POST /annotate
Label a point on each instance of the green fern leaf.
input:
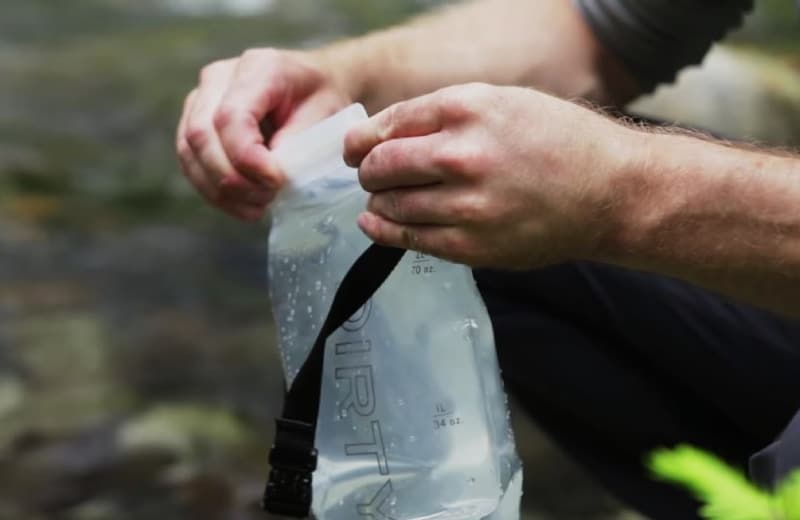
(725, 491)
(788, 497)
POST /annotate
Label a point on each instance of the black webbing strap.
(293, 457)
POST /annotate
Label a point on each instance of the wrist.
(635, 193)
(342, 64)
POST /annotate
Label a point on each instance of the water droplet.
(401, 402)
(412, 438)
(447, 286)
(310, 310)
(293, 268)
(318, 285)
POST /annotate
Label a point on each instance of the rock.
(12, 394)
(188, 431)
(209, 7)
(94, 510)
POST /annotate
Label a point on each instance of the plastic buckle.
(293, 459)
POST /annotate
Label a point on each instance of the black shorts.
(614, 363)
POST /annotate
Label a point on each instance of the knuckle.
(389, 156)
(239, 160)
(397, 206)
(456, 104)
(450, 245)
(243, 159)
(465, 161)
(197, 137)
(183, 149)
(463, 101)
(389, 121)
(366, 173)
(471, 209)
(449, 159)
(223, 117)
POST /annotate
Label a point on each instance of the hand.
(241, 109)
(491, 176)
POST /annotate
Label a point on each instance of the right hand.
(241, 109)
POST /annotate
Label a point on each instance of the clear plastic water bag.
(413, 420)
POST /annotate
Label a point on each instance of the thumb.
(414, 118)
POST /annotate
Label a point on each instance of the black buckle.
(293, 459)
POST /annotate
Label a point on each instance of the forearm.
(541, 43)
(722, 217)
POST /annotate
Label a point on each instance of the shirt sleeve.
(654, 39)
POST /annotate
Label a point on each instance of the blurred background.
(138, 372)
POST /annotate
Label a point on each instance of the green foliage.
(724, 490)
(788, 497)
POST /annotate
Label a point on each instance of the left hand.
(493, 176)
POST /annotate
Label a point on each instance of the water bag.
(395, 407)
